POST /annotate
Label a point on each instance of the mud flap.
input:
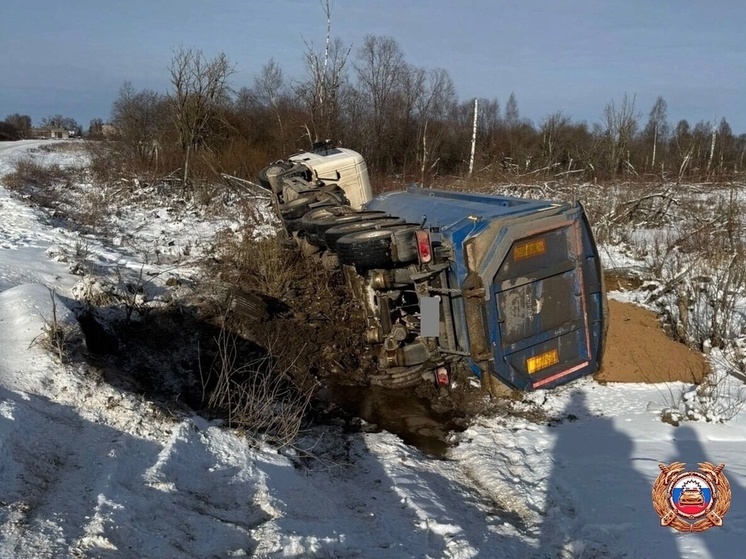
(429, 317)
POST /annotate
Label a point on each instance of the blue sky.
(574, 56)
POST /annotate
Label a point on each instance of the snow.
(88, 470)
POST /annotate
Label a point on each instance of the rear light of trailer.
(424, 248)
(443, 377)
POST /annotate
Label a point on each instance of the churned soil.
(638, 350)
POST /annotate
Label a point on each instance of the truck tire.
(333, 234)
(316, 215)
(373, 248)
(323, 224)
(295, 209)
(275, 168)
(261, 178)
(293, 224)
(335, 193)
(398, 377)
(248, 305)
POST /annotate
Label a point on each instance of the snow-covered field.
(87, 470)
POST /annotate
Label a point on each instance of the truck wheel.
(248, 305)
(335, 192)
(398, 377)
(274, 169)
(322, 225)
(305, 247)
(295, 209)
(261, 176)
(293, 224)
(316, 215)
(373, 248)
(333, 234)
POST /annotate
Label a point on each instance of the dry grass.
(37, 179)
(264, 265)
(717, 398)
(261, 396)
(57, 337)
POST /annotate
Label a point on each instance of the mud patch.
(402, 412)
(638, 350)
(619, 280)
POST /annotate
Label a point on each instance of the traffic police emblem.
(691, 501)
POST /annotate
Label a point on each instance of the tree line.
(406, 120)
(19, 127)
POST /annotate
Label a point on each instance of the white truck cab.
(345, 167)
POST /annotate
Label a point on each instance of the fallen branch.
(256, 190)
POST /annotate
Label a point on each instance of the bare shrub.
(94, 208)
(700, 263)
(718, 398)
(82, 249)
(614, 210)
(29, 173)
(57, 336)
(114, 163)
(205, 192)
(108, 161)
(265, 265)
(259, 396)
(133, 295)
(701, 303)
(242, 158)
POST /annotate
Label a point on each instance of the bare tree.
(512, 124)
(712, 147)
(727, 149)
(656, 130)
(138, 118)
(620, 125)
(200, 88)
(380, 64)
(489, 127)
(22, 123)
(474, 137)
(325, 79)
(684, 142)
(436, 100)
(95, 129)
(552, 130)
(269, 88)
(512, 115)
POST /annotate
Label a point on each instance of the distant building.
(59, 133)
(51, 133)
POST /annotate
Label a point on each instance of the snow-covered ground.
(87, 470)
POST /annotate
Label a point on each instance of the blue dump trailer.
(519, 288)
(510, 288)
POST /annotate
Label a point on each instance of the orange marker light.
(542, 361)
(529, 249)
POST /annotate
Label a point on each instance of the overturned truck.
(509, 288)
